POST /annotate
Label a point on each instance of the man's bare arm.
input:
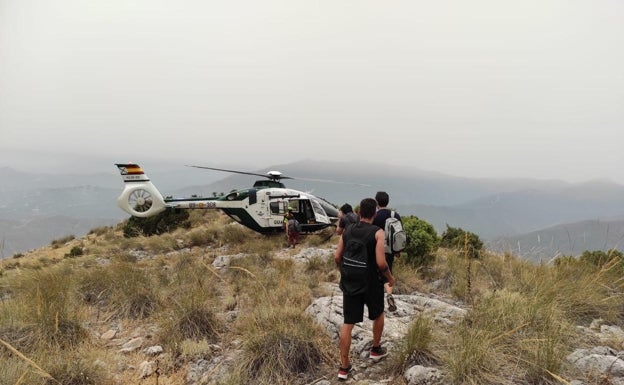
(380, 257)
(339, 251)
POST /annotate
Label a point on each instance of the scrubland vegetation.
(55, 302)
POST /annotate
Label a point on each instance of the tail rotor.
(140, 198)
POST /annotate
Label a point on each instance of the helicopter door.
(319, 213)
(305, 211)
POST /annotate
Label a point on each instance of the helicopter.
(261, 208)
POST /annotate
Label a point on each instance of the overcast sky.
(527, 88)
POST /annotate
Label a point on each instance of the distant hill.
(406, 185)
(17, 236)
(567, 239)
(523, 211)
(37, 208)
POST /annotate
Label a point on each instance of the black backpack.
(355, 270)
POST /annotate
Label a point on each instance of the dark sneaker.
(377, 353)
(343, 373)
(391, 305)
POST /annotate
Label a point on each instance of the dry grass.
(282, 346)
(416, 347)
(520, 326)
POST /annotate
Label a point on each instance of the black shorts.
(353, 305)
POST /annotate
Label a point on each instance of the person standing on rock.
(383, 213)
(369, 290)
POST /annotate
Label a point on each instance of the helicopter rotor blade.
(276, 175)
(330, 181)
(232, 171)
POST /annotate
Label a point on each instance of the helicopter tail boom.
(140, 197)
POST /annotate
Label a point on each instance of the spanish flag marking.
(134, 170)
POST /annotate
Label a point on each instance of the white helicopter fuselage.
(260, 208)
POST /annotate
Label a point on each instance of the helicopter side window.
(276, 208)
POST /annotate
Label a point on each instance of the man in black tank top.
(373, 297)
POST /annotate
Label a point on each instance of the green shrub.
(613, 259)
(166, 221)
(75, 252)
(459, 239)
(422, 241)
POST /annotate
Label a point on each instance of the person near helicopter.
(292, 227)
(347, 217)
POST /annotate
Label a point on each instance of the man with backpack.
(383, 219)
(347, 217)
(360, 256)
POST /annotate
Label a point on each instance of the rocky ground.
(603, 362)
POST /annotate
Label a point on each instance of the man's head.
(382, 198)
(368, 207)
(346, 208)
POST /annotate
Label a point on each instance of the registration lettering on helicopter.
(133, 177)
(202, 205)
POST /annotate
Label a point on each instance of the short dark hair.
(382, 198)
(346, 208)
(368, 207)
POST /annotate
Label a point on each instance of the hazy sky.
(529, 88)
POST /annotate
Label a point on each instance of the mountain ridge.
(493, 208)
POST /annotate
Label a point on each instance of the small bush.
(75, 251)
(123, 288)
(61, 241)
(236, 234)
(101, 230)
(195, 323)
(161, 243)
(415, 347)
(163, 222)
(201, 237)
(293, 340)
(422, 241)
(459, 239)
(44, 300)
(72, 368)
